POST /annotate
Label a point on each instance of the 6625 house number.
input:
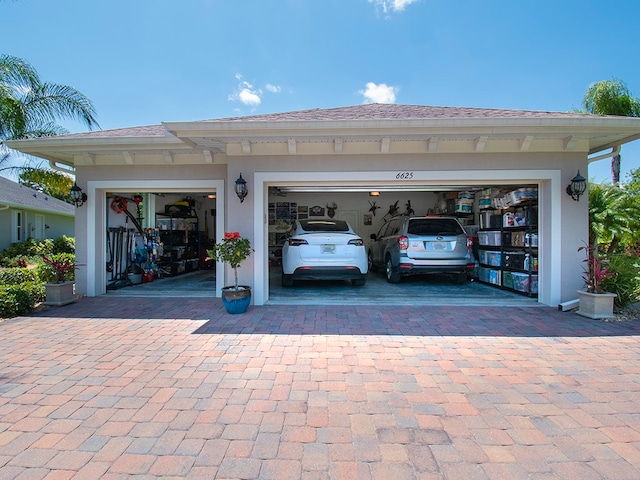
(404, 176)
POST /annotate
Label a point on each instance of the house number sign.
(404, 176)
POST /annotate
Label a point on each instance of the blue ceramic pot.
(236, 301)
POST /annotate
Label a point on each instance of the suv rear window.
(324, 225)
(434, 226)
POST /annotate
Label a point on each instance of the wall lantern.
(78, 197)
(577, 187)
(241, 188)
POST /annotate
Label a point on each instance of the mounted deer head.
(331, 209)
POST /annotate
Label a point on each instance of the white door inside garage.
(423, 194)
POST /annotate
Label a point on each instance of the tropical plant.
(626, 281)
(595, 271)
(614, 217)
(611, 97)
(63, 266)
(232, 250)
(29, 107)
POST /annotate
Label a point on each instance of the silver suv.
(418, 245)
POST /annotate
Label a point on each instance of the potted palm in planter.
(59, 289)
(233, 250)
(594, 301)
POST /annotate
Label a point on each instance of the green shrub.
(64, 244)
(18, 262)
(19, 299)
(35, 290)
(47, 273)
(626, 281)
(14, 276)
(22, 253)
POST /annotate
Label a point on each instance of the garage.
(165, 236)
(366, 209)
(369, 206)
(160, 239)
(416, 157)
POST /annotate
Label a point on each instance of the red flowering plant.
(595, 271)
(232, 250)
(63, 266)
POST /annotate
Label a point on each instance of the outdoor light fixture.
(78, 197)
(577, 187)
(374, 194)
(241, 188)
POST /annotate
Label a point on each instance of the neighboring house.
(26, 213)
(324, 156)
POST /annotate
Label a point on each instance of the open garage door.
(511, 251)
(502, 221)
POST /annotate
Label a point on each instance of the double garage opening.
(500, 275)
(501, 220)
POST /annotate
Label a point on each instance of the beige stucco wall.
(569, 215)
(565, 214)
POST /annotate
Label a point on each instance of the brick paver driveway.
(138, 388)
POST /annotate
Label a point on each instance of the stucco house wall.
(41, 216)
(366, 146)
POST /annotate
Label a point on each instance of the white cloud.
(249, 97)
(245, 93)
(392, 5)
(382, 93)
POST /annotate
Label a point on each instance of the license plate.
(328, 249)
(437, 246)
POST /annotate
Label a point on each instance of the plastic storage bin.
(489, 275)
(491, 238)
(523, 283)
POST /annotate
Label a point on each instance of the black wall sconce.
(77, 195)
(241, 188)
(577, 187)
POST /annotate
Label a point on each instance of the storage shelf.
(500, 260)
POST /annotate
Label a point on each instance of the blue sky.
(146, 61)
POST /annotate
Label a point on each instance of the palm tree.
(29, 108)
(611, 97)
(614, 217)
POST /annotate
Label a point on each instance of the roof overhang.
(213, 141)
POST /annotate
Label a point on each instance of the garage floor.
(419, 290)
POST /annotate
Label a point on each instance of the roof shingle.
(14, 194)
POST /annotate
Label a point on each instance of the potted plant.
(594, 301)
(59, 289)
(233, 250)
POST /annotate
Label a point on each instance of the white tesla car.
(324, 249)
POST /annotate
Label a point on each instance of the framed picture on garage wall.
(316, 211)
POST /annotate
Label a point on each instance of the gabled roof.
(384, 111)
(373, 111)
(14, 195)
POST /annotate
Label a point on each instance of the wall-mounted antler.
(393, 210)
(374, 207)
(409, 211)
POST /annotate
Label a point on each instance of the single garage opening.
(156, 243)
(501, 219)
